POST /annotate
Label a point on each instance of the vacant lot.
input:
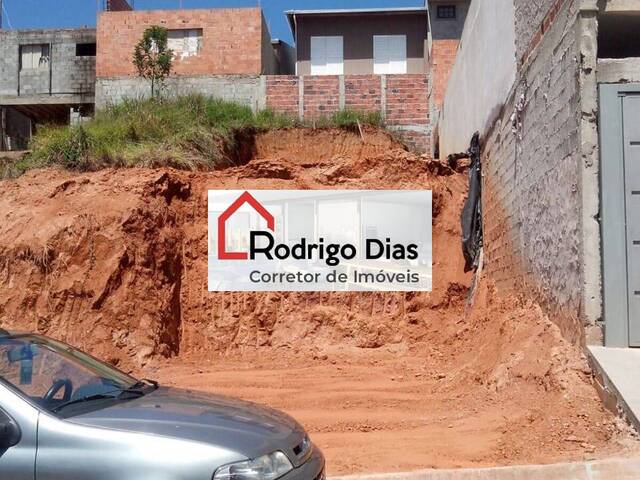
(115, 262)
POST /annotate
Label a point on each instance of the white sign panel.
(319, 240)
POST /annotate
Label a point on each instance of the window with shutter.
(389, 54)
(34, 56)
(185, 43)
(327, 56)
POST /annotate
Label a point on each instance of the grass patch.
(191, 132)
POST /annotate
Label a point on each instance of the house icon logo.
(246, 197)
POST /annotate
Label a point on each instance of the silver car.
(66, 416)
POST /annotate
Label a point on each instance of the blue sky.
(77, 13)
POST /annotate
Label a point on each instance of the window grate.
(446, 11)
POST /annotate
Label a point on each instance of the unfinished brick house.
(553, 87)
(220, 52)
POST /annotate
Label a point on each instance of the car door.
(17, 462)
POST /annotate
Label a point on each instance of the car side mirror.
(10, 433)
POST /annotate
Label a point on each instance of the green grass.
(191, 132)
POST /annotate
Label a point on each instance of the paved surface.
(619, 369)
(610, 469)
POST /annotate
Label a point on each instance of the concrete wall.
(618, 70)
(482, 77)
(357, 31)
(244, 89)
(233, 41)
(66, 75)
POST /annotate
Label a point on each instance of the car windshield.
(56, 376)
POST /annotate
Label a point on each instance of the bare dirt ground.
(115, 262)
(499, 388)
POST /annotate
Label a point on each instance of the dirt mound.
(115, 261)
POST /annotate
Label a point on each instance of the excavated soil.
(115, 262)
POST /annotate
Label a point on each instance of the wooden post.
(3, 128)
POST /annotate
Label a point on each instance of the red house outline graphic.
(246, 197)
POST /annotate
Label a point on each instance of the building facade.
(372, 41)
(45, 76)
(220, 52)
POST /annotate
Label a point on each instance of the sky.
(79, 13)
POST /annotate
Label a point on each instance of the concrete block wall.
(532, 18)
(534, 175)
(243, 89)
(232, 41)
(69, 75)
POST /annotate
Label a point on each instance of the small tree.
(152, 57)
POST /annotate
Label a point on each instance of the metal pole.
(1, 10)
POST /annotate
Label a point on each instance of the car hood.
(244, 427)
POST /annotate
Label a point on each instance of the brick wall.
(407, 100)
(282, 93)
(443, 56)
(362, 93)
(402, 99)
(532, 197)
(231, 44)
(321, 95)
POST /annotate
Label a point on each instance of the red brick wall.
(443, 56)
(362, 92)
(282, 93)
(416, 141)
(407, 100)
(118, 5)
(321, 95)
(231, 44)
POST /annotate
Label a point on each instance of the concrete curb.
(610, 469)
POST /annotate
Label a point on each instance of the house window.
(447, 11)
(327, 56)
(185, 43)
(34, 56)
(85, 50)
(389, 54)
